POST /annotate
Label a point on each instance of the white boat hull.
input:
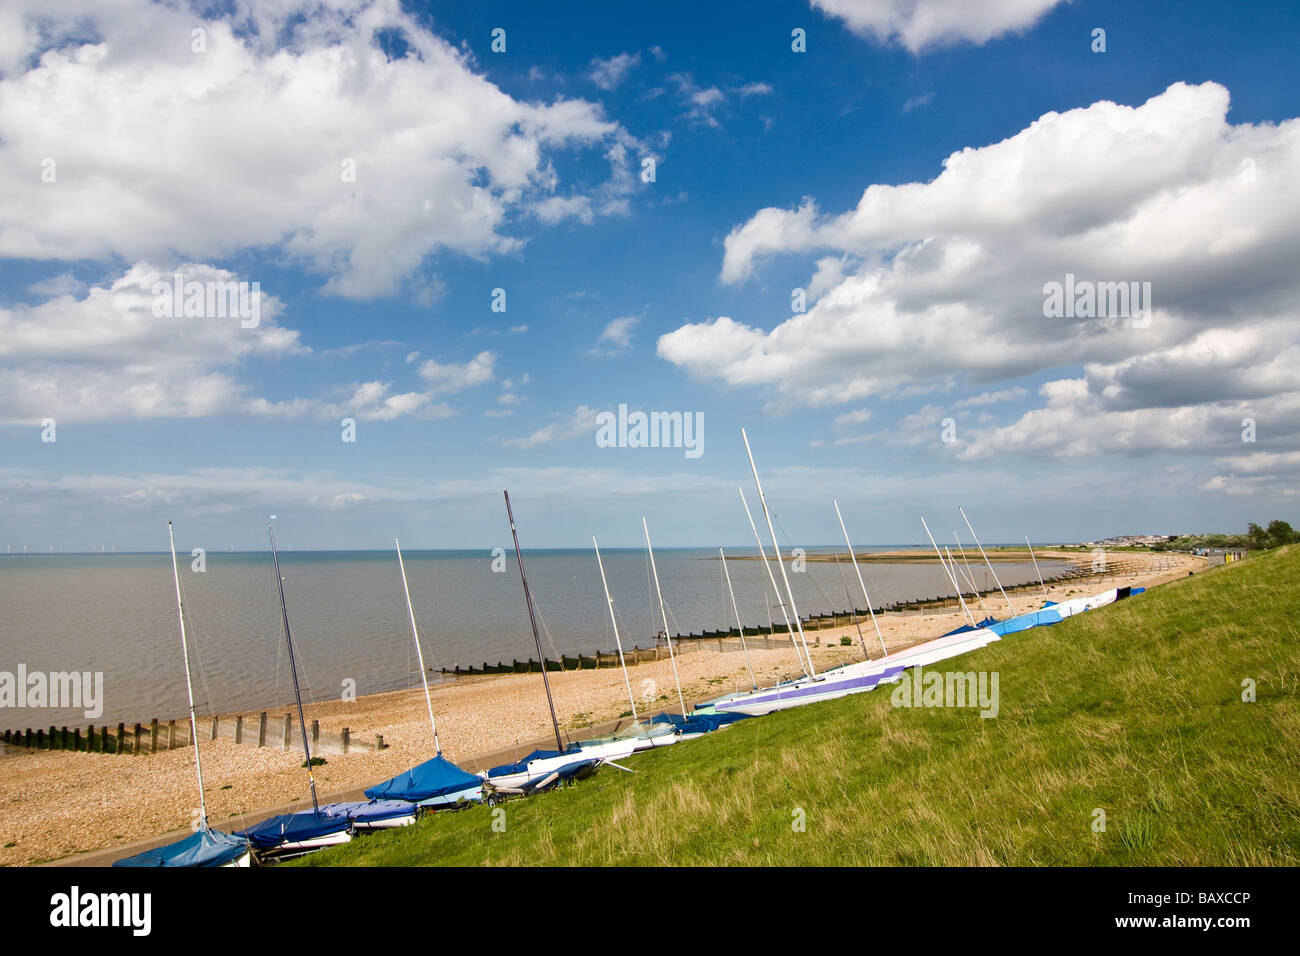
(389, 824)
(855, 678)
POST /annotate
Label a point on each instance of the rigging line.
(776, 550)
(722, 592)
(650, 597)
(986, 560)
(740, 626)
(967, 575)
(194, 648)
(789, 543)
(853, 611)
(210, 707)
(811, 575)
(776, 591)
(948, 574)
(858, 571)
(275, 689)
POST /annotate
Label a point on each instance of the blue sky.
(1169, 158)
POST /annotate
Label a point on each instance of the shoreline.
(57, 803)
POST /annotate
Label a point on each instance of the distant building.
(1130, 541)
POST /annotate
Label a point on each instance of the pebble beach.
(57, 803)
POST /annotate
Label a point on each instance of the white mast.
(762, 552)
(859, 574)
(1036, 571)
(664, 614)
(617, 642)
(948, 571)
(968, 574)
(987, 561)
(739, 626)
(419, 655)
(189, 683)
(776, 550)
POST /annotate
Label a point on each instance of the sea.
(115, 614)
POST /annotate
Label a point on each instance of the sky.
(834, 224)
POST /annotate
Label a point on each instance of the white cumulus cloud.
(286, 127)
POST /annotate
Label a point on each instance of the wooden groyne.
(156, 736)
(777, 634)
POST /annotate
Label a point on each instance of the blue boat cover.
(292, 828)
(987, 622)
(696, 723)
(430, 779)
(371, 812)
(203, 848)
(1023, 622)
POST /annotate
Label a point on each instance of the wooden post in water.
(171, 735)
(138, 743)
(347, 738)
(315, 731)
(261, 730)
(153, 736)
(120, 747)
(288, 732)
(76, 738)
(239, 729)
(215, 721)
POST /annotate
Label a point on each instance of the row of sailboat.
(439, 783)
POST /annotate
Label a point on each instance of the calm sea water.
(116, 613)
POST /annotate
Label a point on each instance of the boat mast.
(968, 574)
(293, 668)
(617, 641)
(948, 571)
(776, 591)
(1036, 571)
(419, 655)
(739, 626)
(189, 683)
(952, 563)
(860, 580)
(664, 614)
(987, 561)
(776, 548)
(532, 618)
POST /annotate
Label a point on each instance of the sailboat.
(206, 846)
(437, 782)
(850, 679)
(300, 832)
(1055, 613)
(644, 736)
(543, 769)
(687, 725)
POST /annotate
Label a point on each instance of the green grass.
(1135, 710)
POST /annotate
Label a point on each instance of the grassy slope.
(1135, 709)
